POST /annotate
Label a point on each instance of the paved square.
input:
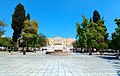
(73, 64)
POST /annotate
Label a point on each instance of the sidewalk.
(40, 64)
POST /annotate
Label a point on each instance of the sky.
(59, 17)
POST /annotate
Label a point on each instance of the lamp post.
(66, 43)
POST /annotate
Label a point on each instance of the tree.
(42, 40)
(28, 17)
(91, 35)
(116, 36)
(75, 44)
(4, 41)
(97, 36)
(35, 39)
(30, 29)
(2, 24)
(82, 32)
(18, 18)
(102, 30)
(96, 16)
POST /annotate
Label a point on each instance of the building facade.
(60, 41)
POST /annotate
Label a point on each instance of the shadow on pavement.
(115, 63)
(117, 66)
(108, 57)
(118, 73)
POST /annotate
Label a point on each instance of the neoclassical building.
(60, 41)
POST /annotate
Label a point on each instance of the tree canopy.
(116, 36)
(91, 34)
(2, 31)
(4, 41)
(30, 31)
(96, 16)
(28, 17)
(18, 18)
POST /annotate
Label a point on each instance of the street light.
(66, 43)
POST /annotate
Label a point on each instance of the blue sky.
(58, 17)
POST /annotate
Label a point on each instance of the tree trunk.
(93, 49)
(82, 50)
(90, 52)
(27, 47)
(117, 54)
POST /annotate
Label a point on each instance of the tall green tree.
(103, 35)
(91, 35)
(102, 30)
(82, 32)
(78, 40)
(28, 17)
(30, 29)
(18, 18)
(116, 36)
(97, 36)
(96, 16)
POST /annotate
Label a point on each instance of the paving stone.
(73, 64)
(39, 74)
(32, 74)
